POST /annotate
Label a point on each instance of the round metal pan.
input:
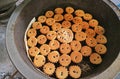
(25, 12)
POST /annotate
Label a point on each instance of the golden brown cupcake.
(54, 44)
(91, 42)
(86, 51)
(33, 51)
(53, 56)
(51, 35)
(76, 28)
(50, 21)
(68, 17)
(66, 24)
(44, 29)
(65, 60)
(44, 49)
(76, 57)
(61, 72)
(37, 25)
(100, 49)
(49, 68)
(77, 20)
(65, 35)
(75, 71)
(93, 23)
(65, 48)
(59, 10)
(99, 30)
(79, 13)
(95, 58)
(58, 17)
(90, 32)
(87, 16)
(69, 9)
(31, 33)
(75, 45)
(80, 36)
(101, 39)
(56, 26)
(42, 19)
(85, 25)
(32, 42)
(39, 61)
(49, 14)
(41, 39)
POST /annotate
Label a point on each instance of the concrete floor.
(6, 67)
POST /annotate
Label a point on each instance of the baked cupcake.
(65, 60)
(76, 57)
(39, 60)
(53, 56)
(61, 72)
(74, 71)
(49, 68)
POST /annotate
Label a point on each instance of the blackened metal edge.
(113, 7)
(110, 72)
